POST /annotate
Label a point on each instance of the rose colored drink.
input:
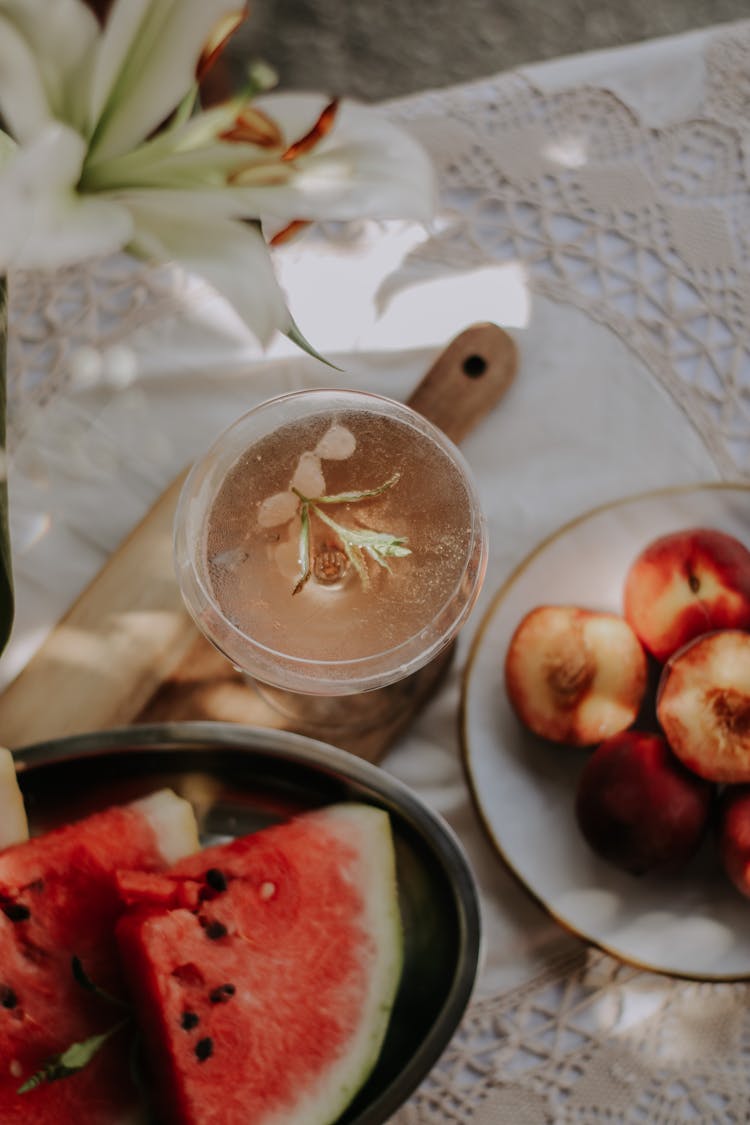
(316, 608)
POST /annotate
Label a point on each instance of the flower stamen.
(320, 129)
(251, 127)
(216, 42)
(288, 232)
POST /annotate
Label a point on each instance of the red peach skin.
(685, 584)
(638, 807)
(734, 836)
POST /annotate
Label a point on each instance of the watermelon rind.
(382, 920)
(60, 903)
(14, 827)
(167, 951)
(173, 821)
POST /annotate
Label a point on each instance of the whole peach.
(685, 584)
(638, 807)
(734, 835)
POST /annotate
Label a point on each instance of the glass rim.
(288, 664)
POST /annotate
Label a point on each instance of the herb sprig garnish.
(81, 977)
(355, 542)
(71, 1060)
(77, 1055)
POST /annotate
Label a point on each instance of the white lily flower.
(103, 152)
(44, 222)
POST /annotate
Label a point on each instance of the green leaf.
(70, 1061)
(81, 977)
(297, 338)
(386, 548)
(356, 558)
(379, 545)
(354, 497)
(304, 546)
(6, 573)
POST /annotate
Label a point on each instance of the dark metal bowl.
(240, 779)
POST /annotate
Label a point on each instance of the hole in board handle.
(474, 365)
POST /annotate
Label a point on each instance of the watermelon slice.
(269, 1002)
(58, 900)
(13, 824)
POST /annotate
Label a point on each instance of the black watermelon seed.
(204, 1048)
(216, 930)
(216, 879)
(221, 994)
(8, 998)
(189, 1020)
(16, 912)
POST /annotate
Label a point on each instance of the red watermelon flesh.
(270, 1002)
(57, 900)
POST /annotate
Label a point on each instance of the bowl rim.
(185, 737)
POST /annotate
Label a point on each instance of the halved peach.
(703, 705)
(575, 675)
(638, 807)
(685, 584)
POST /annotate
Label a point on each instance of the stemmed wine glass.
(330, 543)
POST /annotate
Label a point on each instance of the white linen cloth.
(597, 207)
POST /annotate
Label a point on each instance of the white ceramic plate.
(694, 924)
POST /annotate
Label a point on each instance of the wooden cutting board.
(128, 652)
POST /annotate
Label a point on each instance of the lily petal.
(146, 62)
(59, 35)
(232, 256)
(364, 167)
(7, 148)
(295, 113)
(44, 223)
(23, 98)
(219, 203)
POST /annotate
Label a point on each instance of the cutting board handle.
(467, 379)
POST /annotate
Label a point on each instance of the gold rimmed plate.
(693, 924)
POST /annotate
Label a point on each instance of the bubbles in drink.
(229, 560)
(353, 603)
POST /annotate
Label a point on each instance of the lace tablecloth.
(599, 208)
